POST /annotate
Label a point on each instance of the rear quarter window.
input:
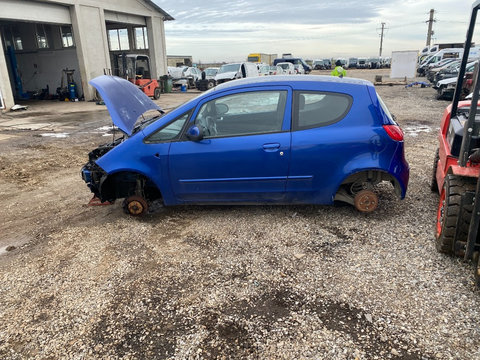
(316, 109)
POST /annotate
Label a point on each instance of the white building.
(39, 39)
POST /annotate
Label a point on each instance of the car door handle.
(271, 147)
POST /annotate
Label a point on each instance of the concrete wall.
(45, 68)
(34, 11)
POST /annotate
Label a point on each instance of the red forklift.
(456, 169)
(136, 69)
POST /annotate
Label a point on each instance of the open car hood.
(125, 101)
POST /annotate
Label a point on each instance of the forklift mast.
(471, 127)
(134, 66)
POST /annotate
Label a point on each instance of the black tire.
(433, 182)
(453, 219)
(210, 84)
(439, 95)
(156, 93)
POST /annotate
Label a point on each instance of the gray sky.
(220, 30)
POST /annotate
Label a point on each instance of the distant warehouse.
(40, 39)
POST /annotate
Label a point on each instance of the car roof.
(286, 79)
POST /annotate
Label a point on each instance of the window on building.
(11, 37)
(67, 36)
(42, 41)
(118, 39)
(141, 39)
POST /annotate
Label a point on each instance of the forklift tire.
(476, 267)
(453, 221)
(433, 183)
(156, 93)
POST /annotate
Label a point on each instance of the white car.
(288, 68)
(275, 70)
(184, 75)
(234, 71)
(264, 70)
(299, 70)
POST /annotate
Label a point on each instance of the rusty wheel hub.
(366, 201)
(136, 205)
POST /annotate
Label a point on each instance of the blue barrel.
(72, 89)
(184, 88)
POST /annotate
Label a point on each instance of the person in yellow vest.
(339, 70)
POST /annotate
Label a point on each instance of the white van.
(442, 54)
(234, 71)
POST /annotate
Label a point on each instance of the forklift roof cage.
(469, 126)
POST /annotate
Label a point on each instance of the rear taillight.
(394, 132)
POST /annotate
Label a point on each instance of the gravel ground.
(238, 282)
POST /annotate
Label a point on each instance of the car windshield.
(284, 65)
(211, 72)
(229, 68)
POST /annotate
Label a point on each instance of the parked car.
(185, 75)
(362, 63)
(264, 70)
(441, 65)
(451, 72)
(327, 63)
(288, 68)
(294, 61)
(275, 70)
(446, 87)
(352, 63)
(251, 141)
(373, 63)
(299, 69)
(234, 71)
(208, 80)
(318, 65)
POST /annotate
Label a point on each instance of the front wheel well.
(126, 183)
(364, 180)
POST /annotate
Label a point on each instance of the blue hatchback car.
(266, 140)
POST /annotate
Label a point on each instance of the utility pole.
(430, 25)
(381, 39)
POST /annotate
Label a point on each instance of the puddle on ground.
(55, 135)
(414, 130)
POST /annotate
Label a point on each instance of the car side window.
(315, 109)
(246, 113)
(170, 131)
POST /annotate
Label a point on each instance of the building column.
(156, 46)
(91, 42)
(5, 85)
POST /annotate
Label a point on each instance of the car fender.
(397, 170)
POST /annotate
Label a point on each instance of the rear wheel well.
(364, 180)
(124, 184)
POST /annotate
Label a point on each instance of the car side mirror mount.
(194, 133)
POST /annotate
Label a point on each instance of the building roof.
(159, 9)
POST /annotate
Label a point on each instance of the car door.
(244, 155)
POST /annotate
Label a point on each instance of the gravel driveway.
(230, 282)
